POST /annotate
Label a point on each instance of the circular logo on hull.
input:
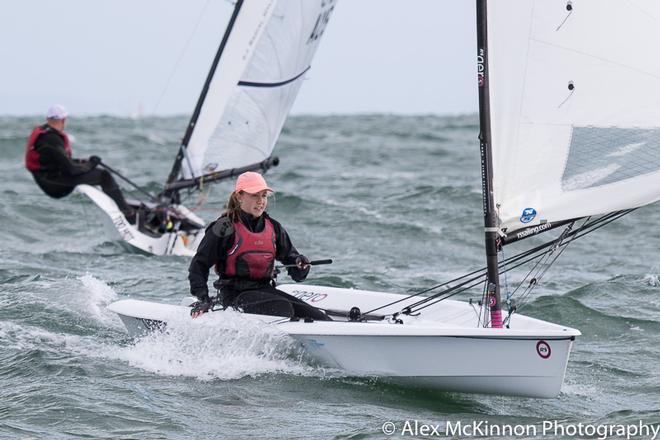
(543, 349)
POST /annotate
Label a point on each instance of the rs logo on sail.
(528, 215)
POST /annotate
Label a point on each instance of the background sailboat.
(254, 79)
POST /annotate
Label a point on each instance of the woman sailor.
(243, 245)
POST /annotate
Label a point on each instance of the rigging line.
(545, 254)
(611, 217)
(437, 298)
(562, 247)
(506, 277)
(501, 264)
(541, 271)
(482, 305)
(610, 220)
(481, 272)
(525, 295)
(588, 228)
(429, 301)
(505, 262)
(448, 296)
(552, 249)
(594, 224)
(181, 54)
(118, 174)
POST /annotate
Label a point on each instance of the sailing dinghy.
(266, 49)
(569, 142)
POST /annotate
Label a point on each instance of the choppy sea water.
(394, 200)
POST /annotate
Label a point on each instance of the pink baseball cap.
(57, 112)
(251, 183)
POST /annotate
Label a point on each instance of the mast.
(176, 168)
(490, 215)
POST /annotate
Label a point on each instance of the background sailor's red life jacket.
(252, 254)
(32, 156)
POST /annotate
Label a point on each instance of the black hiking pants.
(62, 185)
(268, 300)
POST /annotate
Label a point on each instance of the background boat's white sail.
(268, 50)
(574, 96)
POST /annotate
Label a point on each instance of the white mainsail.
(269, 48)
(575, 107)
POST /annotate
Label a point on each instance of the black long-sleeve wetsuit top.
(54, 160)
(217, 241)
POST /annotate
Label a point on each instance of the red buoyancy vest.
(32, 156)
(253, 253)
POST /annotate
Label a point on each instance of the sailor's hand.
(94, 160)
(299, 273)
(302, 262)
(200, 307)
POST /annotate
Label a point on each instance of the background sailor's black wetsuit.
(212, 251)
(60, 174)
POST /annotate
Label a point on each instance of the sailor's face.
(254, 204)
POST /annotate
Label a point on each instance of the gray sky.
(119, 56)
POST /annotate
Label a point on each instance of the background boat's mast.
(490, 217)
(176, 168)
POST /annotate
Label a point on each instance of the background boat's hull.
(170, 243)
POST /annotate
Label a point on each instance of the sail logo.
(533, 230)
(322, 21)
(528, 215)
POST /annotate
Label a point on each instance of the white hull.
(169, 243)
(442, 349)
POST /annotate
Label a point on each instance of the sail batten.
(273, 84)
(574, 105)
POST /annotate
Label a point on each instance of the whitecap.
(207, 349)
